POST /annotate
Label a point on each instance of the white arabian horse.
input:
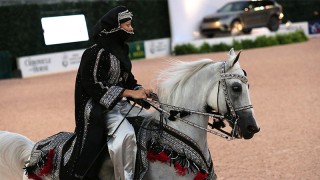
(189, 93)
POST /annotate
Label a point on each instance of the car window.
(255, 4)
(226, 8)
(259, 5)
(235, 6)
(240, 6)
(267, 3)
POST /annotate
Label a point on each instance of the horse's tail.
(15, 149)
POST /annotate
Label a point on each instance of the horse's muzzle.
(253, 129)
(247, 123)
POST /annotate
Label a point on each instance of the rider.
(103, 84)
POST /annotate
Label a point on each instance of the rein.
(156, 105)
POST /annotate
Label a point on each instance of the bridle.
(231, 116)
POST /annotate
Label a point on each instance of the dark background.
(21, 31)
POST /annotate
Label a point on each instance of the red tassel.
(201, 176)
(162, 156)
(33, 176)
(151, 156)
(179, 169)
(47, 167)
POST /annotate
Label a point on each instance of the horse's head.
(222, 86)
(233, 98)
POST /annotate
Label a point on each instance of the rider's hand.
(148, 92)
(137, 94)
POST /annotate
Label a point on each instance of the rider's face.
(127, 26)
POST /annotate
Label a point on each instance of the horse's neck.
(198, 135)
(192, 94)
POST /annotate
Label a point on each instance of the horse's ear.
(231, 53)
(237, 58)
(233, 58)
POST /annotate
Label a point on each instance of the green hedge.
(260, 41)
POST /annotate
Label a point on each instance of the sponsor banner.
(314, 27)
(157, 47)
(136, 50)
(49, 63)
(43, 64)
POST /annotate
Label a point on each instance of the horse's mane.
(172, 80)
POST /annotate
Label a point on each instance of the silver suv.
(241, 16)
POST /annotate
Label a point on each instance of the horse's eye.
(236, 87)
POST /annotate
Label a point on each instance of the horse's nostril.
(253, 129)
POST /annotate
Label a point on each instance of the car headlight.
(217, 23)
(281, 15)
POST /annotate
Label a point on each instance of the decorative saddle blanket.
(48, 156)
(168, 145)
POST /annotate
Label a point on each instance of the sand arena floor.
(284, 89)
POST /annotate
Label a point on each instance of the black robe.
(100, 82)
(104, 73)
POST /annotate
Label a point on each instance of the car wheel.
(273, 24)
(247, 30)
(236, 28)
